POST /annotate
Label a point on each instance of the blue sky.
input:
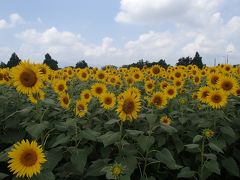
(120, 31)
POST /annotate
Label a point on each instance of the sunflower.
(165, 120)
(117, 170)
(171, 92)
(108, 100)
(130, 80)
(128, 106)
(212, 79)
(98, 89)
(86, 95)
(64, 100)
(100, 75)
(203, 93)
(35, 97)
(163, 85)
(138, 76)
(156, 70)
(208, 133)
(149, 86)
(26, 78)
(178, 83)
(59, 86)
(197, 79)
(217, 99)
(227, 84)
(26, 159)
(159, 100)
(44, 70)
(83, 74)
(81, 108)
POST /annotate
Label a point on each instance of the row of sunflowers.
(150, 123)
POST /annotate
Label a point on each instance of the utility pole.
(215, 62)
(227, 55)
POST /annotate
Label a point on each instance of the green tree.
(3, 65)
(81, 64)
(53, 64)
(184, 61)
(13, 61)
(197, 60)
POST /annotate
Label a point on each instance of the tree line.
(53, 64)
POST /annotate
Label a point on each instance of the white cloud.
(187, 12)
(14, 20)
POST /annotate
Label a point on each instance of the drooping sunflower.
(108, 100)
(64, 100)
(165, 120)
(86, 95)
(81, 108)
(217, 99)
(227, 84)
(171, 92)
(26, 159)
(159, 99)
(26, 78)
(36, 97)
(98, 89)
(128, 106)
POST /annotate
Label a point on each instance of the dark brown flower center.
(61, 87)
(28, 158)
(108, 100)
(65, 100)
(157, 100)
(28, 78)
(99, 90)
(128, 106)
(216, 98)
(227, 85)
(156, 70)
(214, 79)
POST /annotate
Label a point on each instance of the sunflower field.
(151, 123)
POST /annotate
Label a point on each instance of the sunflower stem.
(202, 160)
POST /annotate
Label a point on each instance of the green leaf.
(2, 175)
(192, 146)
(44, 175)
(53, 157)
(213, 166)
(36, 129)
(61, 139)
(79, 159)
(134, 132)
(89, 134)
(197, 138)
(112, 121)
(169, 129)
(231, 166)
(215, 148)
(166, 158)
(228, 131)
(211, 156)
(110, 138)
(151, 118)
(185, 173)
(96, 167)
(145, 142)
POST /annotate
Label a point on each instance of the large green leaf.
(231, 166)
(61, 139)
(44, 175)
(96, 167)
(89, 134)
(213, 166)
(169, 129)
(215, 148)
(166, 158)
(53, 157)
(79, 159)
(36, 129)
(186, 172)
(228, 131)
(110, 138)
(145, 142)
(2, 175)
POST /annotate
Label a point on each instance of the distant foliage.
(141, 63)
(53, 64)
(81, 64)
(13, 61)
(3, 65)
(185, 61)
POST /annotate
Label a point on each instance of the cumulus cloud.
(14, 20)
(187, 12)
